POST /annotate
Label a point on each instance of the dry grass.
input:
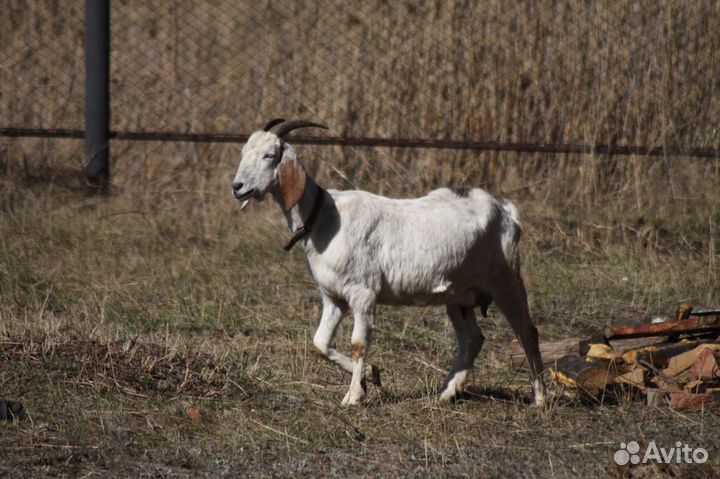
(119, 314)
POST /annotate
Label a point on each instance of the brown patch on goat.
(358, 349)
(292, 182)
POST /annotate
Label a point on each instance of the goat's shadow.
(473, 394)
(482, 395)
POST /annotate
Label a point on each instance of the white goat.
(458, 248)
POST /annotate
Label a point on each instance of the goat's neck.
(298, 214)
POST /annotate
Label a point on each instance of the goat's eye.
(269, 156)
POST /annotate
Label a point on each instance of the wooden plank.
(627, 344)
(635, 377)
(550, 351)
(706, 366)
(604, 352)
(695, 324)
(704, 311)
(659, 355)
(683, 311)
(685, 400)
(576, 372)
(684, 361)
(666, 385)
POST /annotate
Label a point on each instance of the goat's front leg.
(361, 339)
(333, 312)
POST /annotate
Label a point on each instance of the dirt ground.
(158, 332)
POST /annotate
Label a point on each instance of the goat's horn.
(288, 126)
(272, 123)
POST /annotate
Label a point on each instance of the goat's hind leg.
(470, 340)
(333, 312)
(511, 298)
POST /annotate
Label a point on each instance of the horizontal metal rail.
(639, 150)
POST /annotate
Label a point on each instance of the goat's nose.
(237, 185)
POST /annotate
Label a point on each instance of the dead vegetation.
(159, 331)
(143, 370)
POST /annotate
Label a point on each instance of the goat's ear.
(292, 181)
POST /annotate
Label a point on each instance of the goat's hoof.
(372, 374)
(539, 392)
(351, 399)
(448, 395)
(453, 387)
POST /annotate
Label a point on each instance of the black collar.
(306, 228)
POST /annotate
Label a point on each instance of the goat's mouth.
(244, 196)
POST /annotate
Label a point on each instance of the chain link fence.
(616, 72)
(41, 64)
(555, 72)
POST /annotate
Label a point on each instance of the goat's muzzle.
(237, 188)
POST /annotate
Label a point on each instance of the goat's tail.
(512, 231)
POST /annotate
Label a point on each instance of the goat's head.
(269, 163)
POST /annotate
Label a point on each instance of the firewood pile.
(675, 362)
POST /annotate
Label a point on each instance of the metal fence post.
(97, 92)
